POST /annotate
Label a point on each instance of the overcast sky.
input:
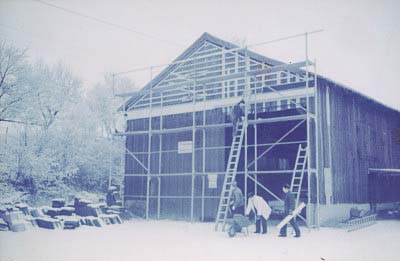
(359, 47)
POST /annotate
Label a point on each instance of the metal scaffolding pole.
(113, 101)
(317, 147)
(219, 125)
(149, 149)
(328, 120)
(255, 151)
(159, 168)
(135, 158)
(260, 172)
(245, 123)
(203, 168)
(227, 147)
(308, 140)
(193, 143)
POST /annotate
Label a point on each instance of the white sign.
(212, 181)
(185, 147)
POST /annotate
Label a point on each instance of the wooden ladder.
(298, 172)
(230, 175)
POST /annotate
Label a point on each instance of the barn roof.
(206, 37)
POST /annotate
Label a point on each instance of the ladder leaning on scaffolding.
(231, 170)
(298, 172)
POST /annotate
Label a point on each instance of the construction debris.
(49, 223)
(58, 203)
(20, 217)
(3, 225)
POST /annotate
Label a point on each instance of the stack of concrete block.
(114, 210)
(58, 203)
(16, 221)
(111, 219)
(93, 221)
(69, 222)
(82, 207)
(100, 207)
(49, 223)
(36, 212)
(3, 225)
(24, 208)
(67, 211)
(52, 212)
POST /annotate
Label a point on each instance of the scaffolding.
(216, 77)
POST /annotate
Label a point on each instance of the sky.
(359, 45)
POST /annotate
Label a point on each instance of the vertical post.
(159, 198)
(110, 162)
(160, 161)
(328, 119)
(223, 84)
(308, 138)
(203, 166)
(317, 136)
(246, 97)
(236, 70)
(255, 143)
(193, 140)
(149, 146)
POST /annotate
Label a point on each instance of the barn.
(179, 136)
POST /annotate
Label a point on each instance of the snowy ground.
(170, 240)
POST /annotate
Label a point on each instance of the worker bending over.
(261, 210)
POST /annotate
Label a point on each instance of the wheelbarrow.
(238, 224)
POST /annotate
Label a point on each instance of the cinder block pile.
(81, 212)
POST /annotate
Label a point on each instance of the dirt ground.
(172, 240)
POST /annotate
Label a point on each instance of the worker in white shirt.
(261, 210)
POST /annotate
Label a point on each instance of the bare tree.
(103, 102)
(13, 84)
(53, 88)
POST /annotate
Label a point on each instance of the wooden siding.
(362, 137)
(215, 161)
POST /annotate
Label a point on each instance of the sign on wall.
(212, 181)
(185, 147)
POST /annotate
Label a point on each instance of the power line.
(109, 23)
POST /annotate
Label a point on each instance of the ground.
(172, 240)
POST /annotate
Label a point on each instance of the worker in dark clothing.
(236, 204)
(113, 198)
(290, 205)
(237, 113)
(237, 200)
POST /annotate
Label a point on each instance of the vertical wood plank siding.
(361, 138)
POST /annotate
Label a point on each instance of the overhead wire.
(122, 27)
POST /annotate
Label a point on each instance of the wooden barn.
(179, 136)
